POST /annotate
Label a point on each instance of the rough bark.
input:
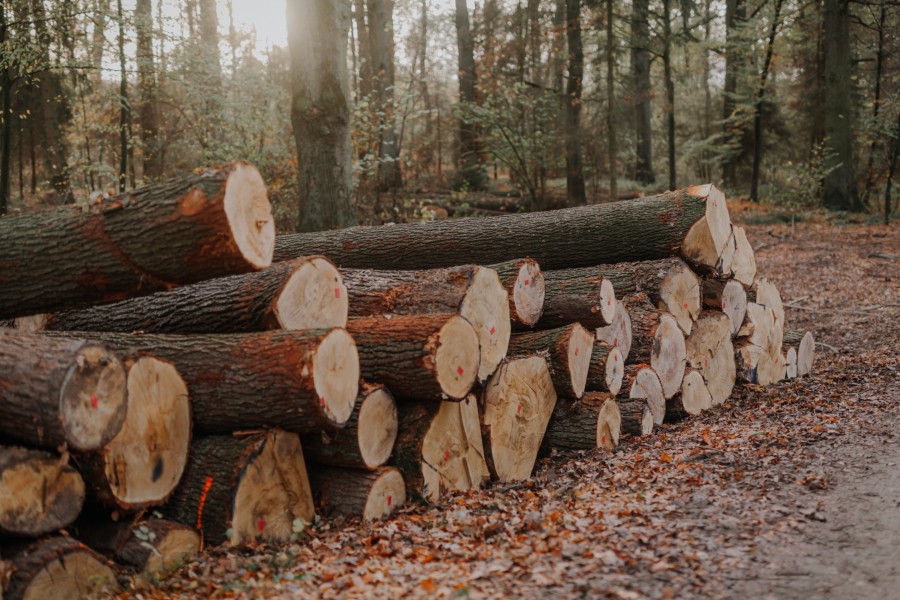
(606, 370)
(381, 43)
(151, 546)
(367, 495)
(640, 74)
(39, 492)
(468, 138)
(657, 340)
(306, 293)
(524, 283)
(302, 381)
(586, 424)
(57, 567)
(635, 417)
(148, 116)
(735, 13)
(211, 223)
(580, 295)
(567, 351)
(439, 448)
(427, 357)
(474, 293)
(366, 440)
(575, 195)
(59, 392)
(244, 489)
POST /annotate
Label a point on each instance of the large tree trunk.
(381, 40)
(757, 105)
(640, 74)
(518, 401)
(575, 195)
(57, 567)
(474, 293)
(580, 295)
(148, 117)
(670, 90)
(657, 340)
(427, 357)
(567, 351)
(39, 492)
(306, 293)
(211, 223)
(439, 448)
(693, 222)
(320, 112)
(586, 424)
(152, 547)
(524, 283)
(244, 489)
(367, 495)
(6, 124)
(366, 440)
(59, 392)
(303, 381)
(468, 138)
(612, 145)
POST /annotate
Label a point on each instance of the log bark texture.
(606, 370)
(580, 295)
(369, 495)
(525, 287)
(211, 223)
(57, 567)
(306, 293)
(567, 351)
(586, 424)
(636, 418)
(151, 546)
(56, 392)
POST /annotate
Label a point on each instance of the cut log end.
(377, 428)
(387, 494)
(59, 568)
(618, 334)
(609, 425)
(177, 545)
(708, 239)
(32, 324)
(486, 307)
(313, 297)
(607, 301)
(806, 354)
(734, 304)
(145, 461)
(695, 397)
(456, 359)
(667, 356)
(93, 401)
(453, 451)
(273, 492)
(249, 215)
(528, 293)
(790, 360)
(336, 375)
(680, 291)
(578, 352)
(615, 370)
(710, 351)
(636, 418)
(744, 265)
(646, 386)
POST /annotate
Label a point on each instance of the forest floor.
(787, 492)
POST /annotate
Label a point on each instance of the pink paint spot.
(609, 302)
(460, 371)
(94, 401)
(705, 362)
(603, 440)
(322, 400)
(261, 525)
(685, 305)
(493, 329)
(616, 358)
(389, 500)
(576, 351)
(337, 292)
(724, 306)
(616, 342)
(526, 281)
(446, 455)
(519, 409)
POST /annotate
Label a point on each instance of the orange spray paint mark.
(206, 485)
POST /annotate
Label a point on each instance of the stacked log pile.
(364, 368)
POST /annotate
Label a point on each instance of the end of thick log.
(249, 214)
(707, 242)
(645, 385)
(618, 333)
(58, 567)
(524, 283)
(367, 495)
(711, 352)
(693, 399)
(312, 297)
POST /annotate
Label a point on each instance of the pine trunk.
(362, 494)
(586, 424)
(525, 287)
(567, 351)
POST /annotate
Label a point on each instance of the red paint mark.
(460, 371)
(705, 362)
(519, 409)
(322, 400)
(615, 358)
(576, 350)
(724, 306)
(337, 292)
(206, 485)
(261, 525)
(446, 455)
(389, 500)
(603, 439)
(526, 281)
(493, 329)
(616, 342)
(94, 401)
(685, 306)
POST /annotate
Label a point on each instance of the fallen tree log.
(642, 383)
(693, 399)
(369, 495)
(693, 221)
(211, 223)
(56, 567)
(517, 403)
(659, 341)
(151, 546)
(306, 293)
(711, 353)
(525, 288)
(56, 392)
(581, 295)
(586, 424)
(728, 296)
(302, 381)
(427, 357)
(39, 492)
(606, 369)
(475, 293)
(439, 448)
(805, 345)
(244, 489)
(567, 351)
(141, 466)
(635, 416)
(366, 440)
(619, 333)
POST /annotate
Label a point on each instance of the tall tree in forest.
(735, 15)
(124, 104)
(611, 101)
(469, 162)
(640, 76)
(211, 78)
(320, 111)
(381, 41)
(839, 189)
(670, 91)
(575, 194)
(876, 104)
(758, 101)
(6, 114)
(147, 91)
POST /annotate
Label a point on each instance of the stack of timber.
(177, 372)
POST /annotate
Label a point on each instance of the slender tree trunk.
(468, 139)
(757, 107)
(706, 172)
(147, 115)
(888, 202)
(381, 40)
(734, 17)
(670, 89)
(876, 105)
(320, 111)
(6, 119)
(640, 74)
(611, 101)
(575, 194)
(839, 191)
(363, 48)
(98, 37)
(124, 110)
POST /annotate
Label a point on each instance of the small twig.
(832, 348)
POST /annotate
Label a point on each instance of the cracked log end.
(667, 356)
(377, 428)
(578, 355)
(695, 397)
(456, 360)
(58, 567)
(92, 399)
(806, 355)
(615, 370)
(790, 359)
(680, 291)
(486, 307)
(249, 215)
(313, 297)
(744, 265)
(710, 241)
(387, 494)
(528, 293)
(710, 351)
(645, 386)
(618, 334)
(336, 375)
(453, 451)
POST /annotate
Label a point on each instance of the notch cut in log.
(56, 392)
(474, 293)
(427, 357)
(211, 223)
(581, 295)
(439, 448)
(525, 288)
(306, 293)
(302, 381)
(806, 350)
(585, 424)
(244, 489)
(518, 401)
(366, 440)
(711, 352)
(567, 351)
(728, 296)
(693, 399)
(643, 384)
(606, 370)
(574, 237)
(152, 546)
(39, 492)
(618, 334)
(659, 341)
(142, 465)
(363, 494)
(57, 567)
